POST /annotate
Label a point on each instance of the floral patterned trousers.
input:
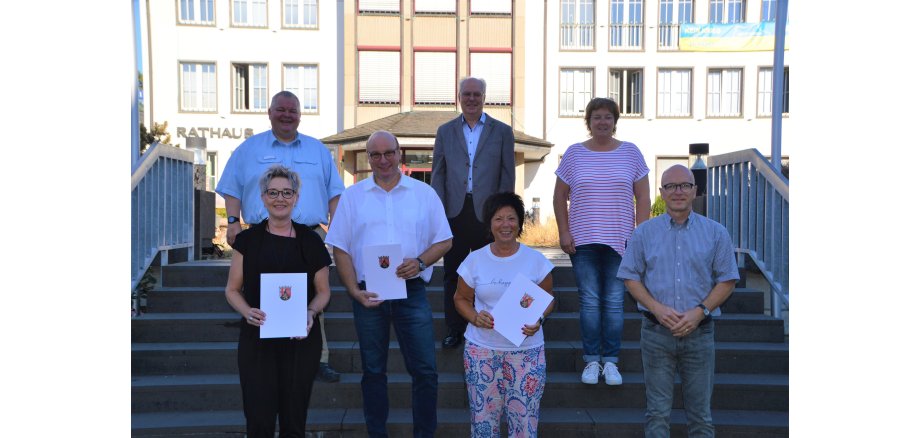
(504, 383)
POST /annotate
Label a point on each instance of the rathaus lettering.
(214, 132)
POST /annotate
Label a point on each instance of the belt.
(651, 317)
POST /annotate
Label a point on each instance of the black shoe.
(452, 340)
(327, 374)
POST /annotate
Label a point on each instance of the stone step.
(345, 357)
(562, 326)
(455, 423)
(219, 392)
(212, 299)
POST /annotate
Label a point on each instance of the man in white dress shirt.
(389, 208)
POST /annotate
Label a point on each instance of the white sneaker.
(612, 374)
(589, 375)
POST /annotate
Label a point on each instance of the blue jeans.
(601, 295)
(694, 357)
(411, 319)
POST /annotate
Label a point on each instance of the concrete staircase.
(184, 379)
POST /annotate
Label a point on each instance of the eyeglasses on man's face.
(375, 156)
(684, 187)
(286, 193)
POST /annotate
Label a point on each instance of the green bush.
(658, 207)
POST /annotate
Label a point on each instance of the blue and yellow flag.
(736, 37)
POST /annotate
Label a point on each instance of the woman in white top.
(500, 376)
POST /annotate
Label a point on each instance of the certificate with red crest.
(284, 301)
(522, 303)
(380, 262)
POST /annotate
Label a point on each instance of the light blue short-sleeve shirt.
(319, 176)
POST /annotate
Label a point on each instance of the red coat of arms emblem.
(526, 301)
(285, 293)
(384, 261)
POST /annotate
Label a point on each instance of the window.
(250, 13)
(300, 14)
(768, 10)
(303, 81)
(378, 6)
(196, 11)
(626, 90)
(199, 87)
(250, 87)
(576, 88)
(577, 24)
(723, 98)
(626, 24)
(674, 93)
(726, 11)
(490, 7)
(435, 78)
(669, 21)
(436, 6)
(211, 171)
(378, 77)
(495, 68)
(765, 91)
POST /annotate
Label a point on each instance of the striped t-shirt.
(601, 208)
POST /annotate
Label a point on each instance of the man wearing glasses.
(320, 187)
(473, 159)
(389, 208)
(680, 267)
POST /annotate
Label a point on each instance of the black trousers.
(277, 378)
(469, 235)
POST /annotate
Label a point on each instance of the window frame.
(724, 9)
(659, 92)
(576, 112)
(627, 110)
(579, 27)
(724, 95)
(250, 87)
(299, 4)
(250, 8)
(197, 9)
(627, 30)
(199, 92)
(398, 53)
(493, 12)
(398, 10)
(299, 91)
(670, 30)
(769, 94)
(491, 81)
(416, 76)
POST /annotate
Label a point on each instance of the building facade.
(212, 65)
(211, 68)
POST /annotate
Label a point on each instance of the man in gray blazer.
(473, 158)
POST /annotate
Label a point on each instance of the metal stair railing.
(747, 195)
(162, 207)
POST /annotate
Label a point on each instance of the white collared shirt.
(410, 214)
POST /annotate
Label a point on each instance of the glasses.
(375, 156)
(468, 94)
(286, 193)
(684, 187)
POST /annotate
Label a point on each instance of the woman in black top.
(277, 374)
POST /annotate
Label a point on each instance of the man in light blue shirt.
(680, 267)
(320, 182)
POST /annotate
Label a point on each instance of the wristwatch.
(232, 219)
(705, 310)
(421, 264)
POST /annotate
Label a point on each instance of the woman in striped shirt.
(593, 202)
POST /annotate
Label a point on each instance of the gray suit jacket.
(493, 164)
